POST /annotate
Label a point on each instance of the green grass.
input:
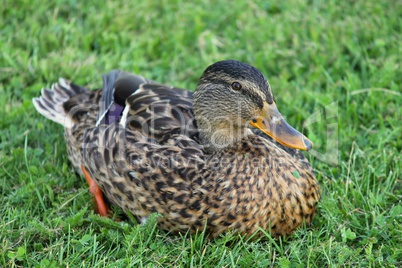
(338, 59)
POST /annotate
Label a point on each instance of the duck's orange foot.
(100, 203)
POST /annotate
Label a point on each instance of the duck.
(219, 159)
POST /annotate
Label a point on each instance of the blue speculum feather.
(114, 113)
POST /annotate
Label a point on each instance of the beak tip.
(308, 144)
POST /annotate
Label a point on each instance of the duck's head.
(232, 97)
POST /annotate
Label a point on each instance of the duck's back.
(155, 112)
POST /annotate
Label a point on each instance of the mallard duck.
(222, 158)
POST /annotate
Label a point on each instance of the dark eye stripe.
(255, 98)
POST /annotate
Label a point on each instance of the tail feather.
(50, 103)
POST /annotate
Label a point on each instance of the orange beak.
(271, 122)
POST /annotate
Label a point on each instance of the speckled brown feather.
(156, 163)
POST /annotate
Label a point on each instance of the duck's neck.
(221, 138)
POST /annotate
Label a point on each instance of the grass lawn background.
(335, 61)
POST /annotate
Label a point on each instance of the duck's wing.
(157, 111)
(160, 112)
(117, 87)
(149, 160)
(156, 119)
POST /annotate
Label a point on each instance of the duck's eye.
(236, 85)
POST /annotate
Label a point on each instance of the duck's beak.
(271, 122)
